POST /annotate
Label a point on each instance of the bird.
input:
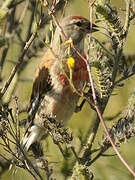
(52, 93)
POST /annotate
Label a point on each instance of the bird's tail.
(32, 140)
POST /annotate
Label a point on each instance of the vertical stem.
(96, 104)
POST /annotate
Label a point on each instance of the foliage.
(108, 65)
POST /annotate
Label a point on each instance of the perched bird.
(52, 93)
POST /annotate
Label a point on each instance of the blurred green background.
(105, 168)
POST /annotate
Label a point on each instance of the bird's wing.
(41, 85)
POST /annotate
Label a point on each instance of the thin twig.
(75, 154)
(103, 47)
(24, 11)
(96, 124)
(15, 4)
(98, 110)
(112, 143)
(127, 20)
(20, 60)
(124, 78)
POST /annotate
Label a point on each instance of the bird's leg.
(79, 108)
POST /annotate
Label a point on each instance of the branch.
(20, 60)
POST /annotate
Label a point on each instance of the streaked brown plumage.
(52, 93)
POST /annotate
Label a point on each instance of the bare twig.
(20, 60)
(127, 20)
(98, 110)
(124, 78)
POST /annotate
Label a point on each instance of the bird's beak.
(94, 27)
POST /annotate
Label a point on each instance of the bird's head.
(76, 28)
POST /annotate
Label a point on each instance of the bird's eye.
(79, 23)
